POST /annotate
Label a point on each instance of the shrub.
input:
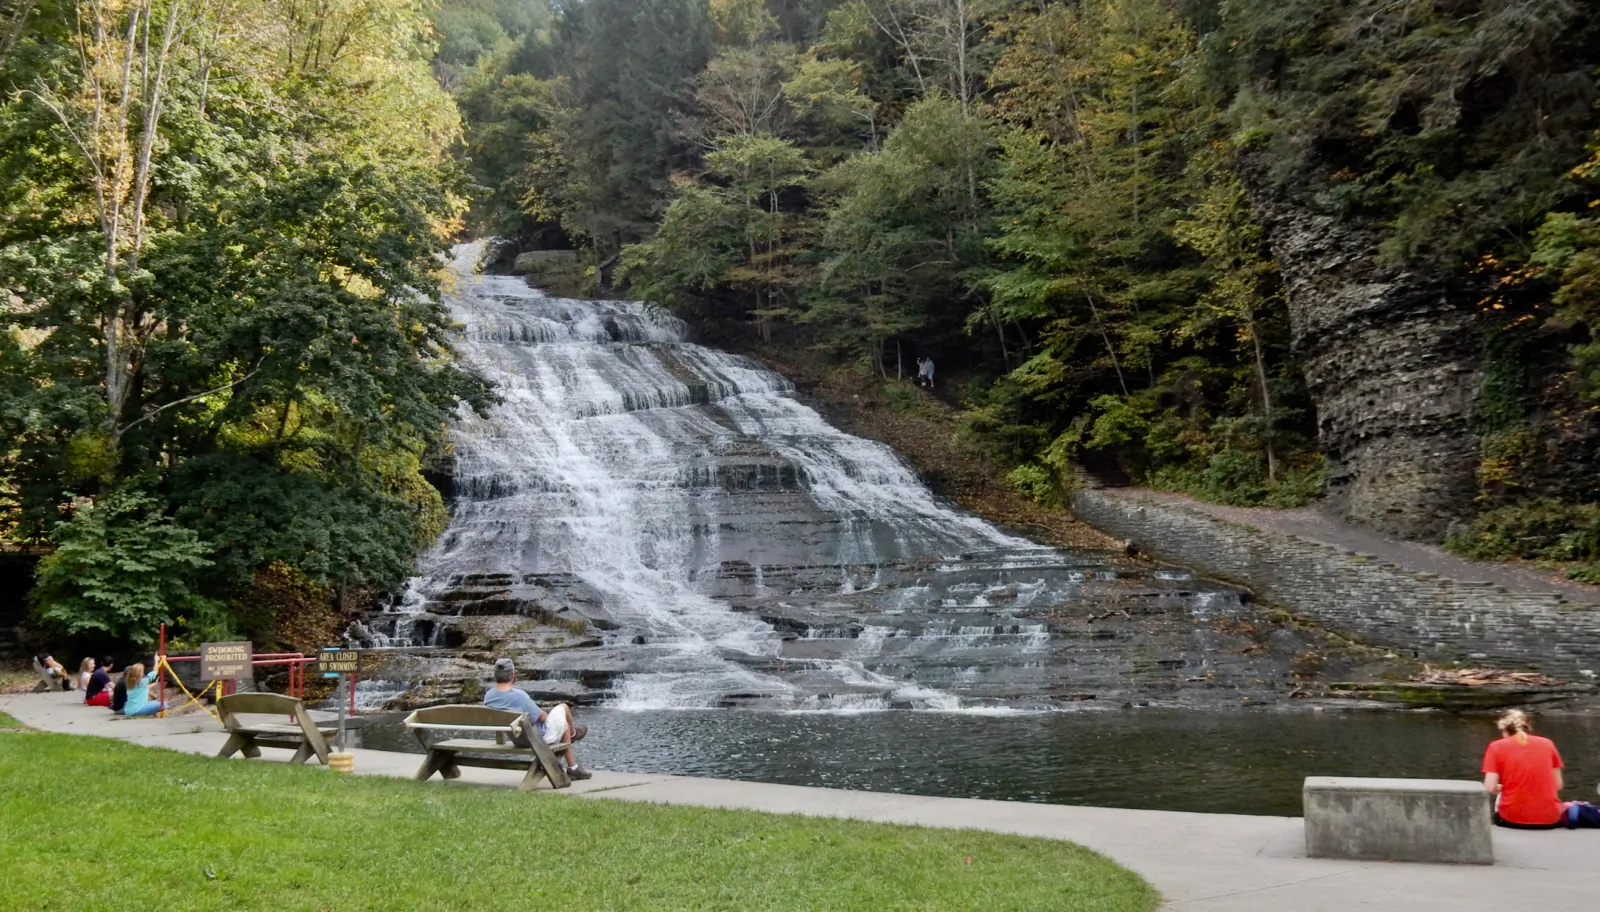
(122, 568)
(1538, 529)
(1034, 482)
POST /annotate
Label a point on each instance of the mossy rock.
(1456, 697)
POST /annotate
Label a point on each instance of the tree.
(730, 235)
(625, 64)
(123, 569)
(903, 244)
(250, 239)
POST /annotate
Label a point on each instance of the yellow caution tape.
(161, 662)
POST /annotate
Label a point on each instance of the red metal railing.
(296, 663)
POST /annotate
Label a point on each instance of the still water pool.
(1224, 762)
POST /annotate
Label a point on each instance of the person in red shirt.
(1524, 770)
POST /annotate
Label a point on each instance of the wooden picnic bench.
(304, 735)
(447, 757)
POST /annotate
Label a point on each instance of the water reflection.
(1243, 763)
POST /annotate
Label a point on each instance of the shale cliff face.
(1391, 361)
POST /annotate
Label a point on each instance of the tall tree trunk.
(1266, 400)
(1106, 338)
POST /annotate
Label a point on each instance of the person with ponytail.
(1523, 772)
(138, 702)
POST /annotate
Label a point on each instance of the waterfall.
(707, 513)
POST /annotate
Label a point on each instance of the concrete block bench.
(1433, 820)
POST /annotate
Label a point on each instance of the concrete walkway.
(1219, 862)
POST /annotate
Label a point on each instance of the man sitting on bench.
(554, 727)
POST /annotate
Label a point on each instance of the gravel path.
(1313, 524)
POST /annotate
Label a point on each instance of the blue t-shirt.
(517, 700)
(138, 692)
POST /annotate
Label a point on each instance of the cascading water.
(732, 545)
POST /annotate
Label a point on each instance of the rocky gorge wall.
(1391, 361)
(1367, 598)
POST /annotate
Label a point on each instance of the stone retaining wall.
(1370, 599)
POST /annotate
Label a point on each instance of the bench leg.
(242, 743)
(301, 754)
(430, 765)
(441, 762)
(233, 745)
(530, 779)
(554, 766)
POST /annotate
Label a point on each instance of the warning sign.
(225, 661)
(338, 661)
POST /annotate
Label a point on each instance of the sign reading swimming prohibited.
(225, 661)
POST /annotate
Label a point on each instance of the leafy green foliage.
(284, 611)
(1537, 529)
(122, 568)
(258, 351)
(1452, 123)
(1567, 247)
(1034, 482)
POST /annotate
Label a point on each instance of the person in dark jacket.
(98, 690)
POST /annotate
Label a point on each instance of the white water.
(594, 464)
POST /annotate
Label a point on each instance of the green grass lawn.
(93, 823)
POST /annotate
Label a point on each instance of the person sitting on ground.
(138, 699)
(119, 694)
(98, 691)
(54, 669)
(553, 727)
(1524, 771)
(85, 671)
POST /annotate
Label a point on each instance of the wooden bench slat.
(505, 763)
(474, 744)
(510, 729)
(286, 743)
(284, 729)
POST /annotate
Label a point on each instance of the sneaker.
(578, 772)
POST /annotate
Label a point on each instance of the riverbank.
(1211, 862)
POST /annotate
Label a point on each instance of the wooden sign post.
(338, 663)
